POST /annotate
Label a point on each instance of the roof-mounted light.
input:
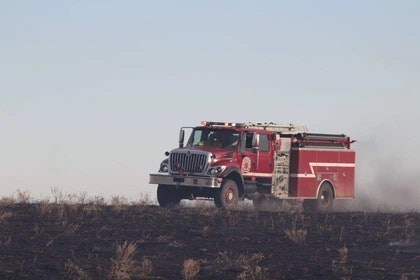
(207, 123)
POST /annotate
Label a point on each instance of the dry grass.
(118, 202)
(247, 265)
(251, 269)
(295, 234)
(23, 196)
(45, 208)
(123, 265)
(145, 269)
(145, 200)
(38, 231)
(4, 215)
(340, 266)
(75, 272)
(191, 268)
(5, 201)
(70, 228)
(60, 197)
(5, 241)
(165, 239)
(298, 236)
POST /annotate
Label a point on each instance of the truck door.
(257, 154)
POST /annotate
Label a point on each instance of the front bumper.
(184, 181)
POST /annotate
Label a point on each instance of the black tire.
(324, 201)
(168, 196)
(228, 195)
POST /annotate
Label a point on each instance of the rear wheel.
(168, 196)
(228, 195)
(324, 201)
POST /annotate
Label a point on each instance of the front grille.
(188, 161)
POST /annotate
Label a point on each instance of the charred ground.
(95, 241)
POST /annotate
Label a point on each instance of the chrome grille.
(187, 161)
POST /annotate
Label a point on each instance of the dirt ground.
(94, 241)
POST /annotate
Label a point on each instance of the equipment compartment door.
(347, 160)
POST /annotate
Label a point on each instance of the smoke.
(387, 174)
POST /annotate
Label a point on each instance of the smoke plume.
(387, 176)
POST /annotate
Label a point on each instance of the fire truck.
(228, 162)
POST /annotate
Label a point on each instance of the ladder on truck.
(275, 127)
(281, 172)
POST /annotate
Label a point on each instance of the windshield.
(225, 139)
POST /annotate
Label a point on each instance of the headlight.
(216, 170)
(163, 168)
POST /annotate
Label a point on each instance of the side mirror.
(181, 138)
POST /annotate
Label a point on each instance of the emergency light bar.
(206, 123)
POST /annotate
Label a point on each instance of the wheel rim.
(229, 195)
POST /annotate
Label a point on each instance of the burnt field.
(97, 241)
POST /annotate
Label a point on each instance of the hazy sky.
(93, 92)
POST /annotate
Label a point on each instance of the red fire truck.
(228, 162)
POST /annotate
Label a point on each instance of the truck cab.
(207, 167)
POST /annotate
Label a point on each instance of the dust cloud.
(387, 175)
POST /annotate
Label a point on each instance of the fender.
(230, 170)
(234, 172)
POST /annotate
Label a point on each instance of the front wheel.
(324, 201)
(228, 195)
(167, 196)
